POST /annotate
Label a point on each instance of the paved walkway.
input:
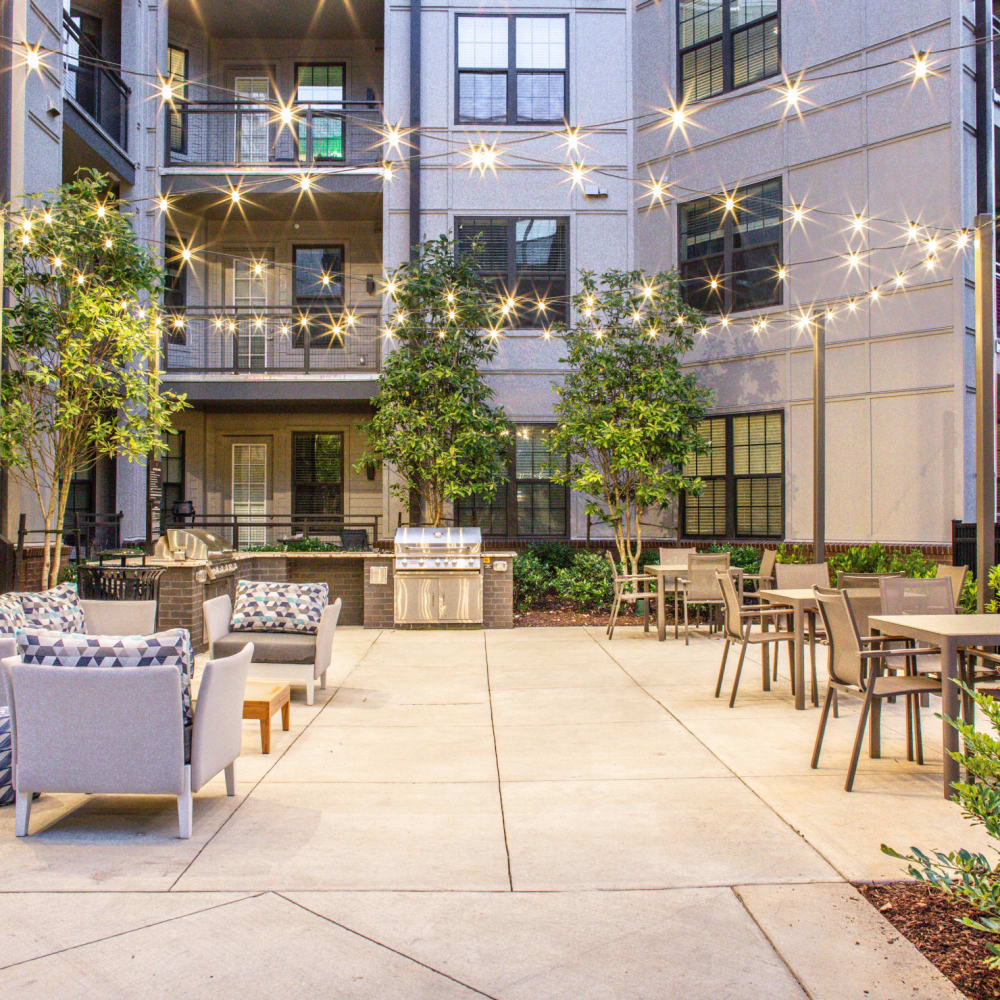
(534, 813)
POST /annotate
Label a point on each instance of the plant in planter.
(533, 581)
(587, 582)
(964, 875)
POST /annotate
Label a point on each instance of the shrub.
(878, 559)
(793, 554)
(962, 875)
(533, 581)
(744, 557)
(555, 555)
(586, 582)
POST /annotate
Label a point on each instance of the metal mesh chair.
(699, 585)
(629, 588)
(957, 575)
(857, 669)
(764, 577)
(852, 581)
(738, 622)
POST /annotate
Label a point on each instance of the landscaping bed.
(929, 920)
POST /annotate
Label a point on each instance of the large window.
(320, 96)
(529, 503)
(173, 475)
(730, 259)
(174, 275)
(319, 274)
(318, 474)
(177, 73)
(511, 69)
(725, 44)
(526, 258)
(743, 472)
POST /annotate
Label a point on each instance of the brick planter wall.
(378, 597)
(498, 593)
(30, 570)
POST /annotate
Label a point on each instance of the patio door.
(253, 128)
(249, 295)
(250, 488)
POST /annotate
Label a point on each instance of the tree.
(434, 420)
(628, 416)
(80, 335)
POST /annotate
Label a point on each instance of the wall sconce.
(370, 284)
(370, 471)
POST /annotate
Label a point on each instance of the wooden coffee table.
(261, 700)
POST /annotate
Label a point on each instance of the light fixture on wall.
(370, 284)
(370, 471)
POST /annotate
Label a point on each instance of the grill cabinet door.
(460, 597)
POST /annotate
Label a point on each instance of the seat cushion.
(11, 614)
(269, 647)
(264, 606)
(56, 610)
(169, 648)
(6, 760)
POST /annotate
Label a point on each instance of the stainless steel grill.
(438, 575)
(196, 544)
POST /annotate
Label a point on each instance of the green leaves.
(434, 421)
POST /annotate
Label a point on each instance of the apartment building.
(289, 222)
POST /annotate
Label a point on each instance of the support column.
(986, 476)
(819, 439)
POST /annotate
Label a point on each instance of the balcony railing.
(270, 341)
(247, 134)
(98, 89)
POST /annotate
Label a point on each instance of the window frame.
(729, 252)
(506, 496)
(166, 505)
(730, 478)
(175, 111)
(511, 72)
(511, 281)
(294, 484)
(316, 301)
(297, 104)
(727, 50)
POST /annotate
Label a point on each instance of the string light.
(47, 217)
(962, 239)
(166, 90)
(858, 224)
(305, 183)
(900, 279)
(656, 189)
(782, 273)
(286, 115)
(57, 262)
(163, 204)
(577, 174)
(920, 66)
(729, 203)
(483, 158)
(571, 139)
(101, 211)
(798, 214)
(108, 243)
(33, 58)
(386, 171)
(853, 260)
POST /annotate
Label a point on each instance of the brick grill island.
(362, 580)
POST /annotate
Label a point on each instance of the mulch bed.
(556, 612)
(930, 921)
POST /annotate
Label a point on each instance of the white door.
(252, 123)
(250, 489)
(249, 293)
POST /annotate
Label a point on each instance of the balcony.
(248, 136)
(324, 354)
(95, 106)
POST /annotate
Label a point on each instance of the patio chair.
(628, 588)
(957, 575)
(119, 730)
(805, 576)
(699, 585)
(676, 557)
(857, 668)
(764, 577)
(855, 581)
(738, 622)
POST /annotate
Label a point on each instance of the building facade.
(277, 230)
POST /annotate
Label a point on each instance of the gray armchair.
(119, 730)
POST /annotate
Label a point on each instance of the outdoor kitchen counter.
(355, 577)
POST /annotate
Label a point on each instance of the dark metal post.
(986, 481)
(819, 440)
(414, 137)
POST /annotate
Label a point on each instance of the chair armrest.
(119, 617)
(768, 609)
(324, 637)
(217, 613)
(915, 651)
(218, 718)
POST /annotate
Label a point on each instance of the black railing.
(247, 134)
(83, 533)
(274, 340)
(98, 89)
(244, 531)
(964, 545)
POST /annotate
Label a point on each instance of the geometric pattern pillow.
(58, 609)
(169, 648)
(6, 760)
(262, 606)
(11, 614)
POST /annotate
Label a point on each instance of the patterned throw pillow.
(11, 614)
(58, 609)
(6, 760)
(169, 648)
(278, 607)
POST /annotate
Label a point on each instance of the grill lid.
(195, 543)
(438, 541)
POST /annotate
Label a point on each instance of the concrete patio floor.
(536, 813)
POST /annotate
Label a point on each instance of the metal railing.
(273, 340)
(99, 90)
(247, 134)
(83, 533)
(244, 531)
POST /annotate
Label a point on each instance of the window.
(173, 475)
(743, 471)
(318, 475)
(725, 44)
(529, 258)
(250, 490)
(320, 96)
(83, 55)
(174, 278)
(529, 503)
(738, 252)
(177, 73)
(319, 274)
(511, 69)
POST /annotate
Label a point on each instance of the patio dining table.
(949, 633)
(666, 575)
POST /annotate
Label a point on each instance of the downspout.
(414, 136)
(985, 169)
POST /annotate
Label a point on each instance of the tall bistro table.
(803, 601)
(949, 633)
